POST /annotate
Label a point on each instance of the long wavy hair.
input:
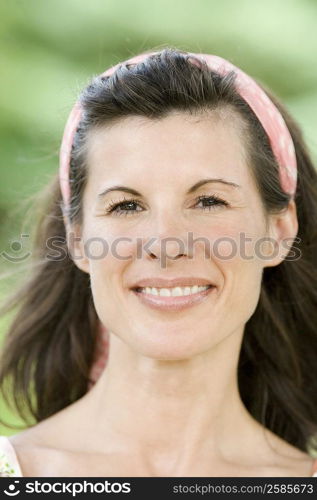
(51, 342)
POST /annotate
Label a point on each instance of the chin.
(170, 347)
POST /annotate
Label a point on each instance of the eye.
(123, 207)
(212, 202)
(127, 207)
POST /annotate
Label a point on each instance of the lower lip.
(173, 303)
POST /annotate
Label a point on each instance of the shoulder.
(292, 461)
(40, 448)
(9, 464)
(32, 455)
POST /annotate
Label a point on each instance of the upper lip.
(172, 282)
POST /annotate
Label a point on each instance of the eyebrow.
(198, 184)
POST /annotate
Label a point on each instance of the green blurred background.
(51, 48)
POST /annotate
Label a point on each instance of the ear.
(76, 247)
(283, 228)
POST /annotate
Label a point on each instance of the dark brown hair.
(50, 345)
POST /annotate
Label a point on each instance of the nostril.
(179, 255)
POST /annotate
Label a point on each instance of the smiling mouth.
(177, 291)
(173, 299)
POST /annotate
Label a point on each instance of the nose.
(167, 240)
(167, 247)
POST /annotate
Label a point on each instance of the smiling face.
(164, 163)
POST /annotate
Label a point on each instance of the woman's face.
(162, 160)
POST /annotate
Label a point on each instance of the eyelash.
(113, 206)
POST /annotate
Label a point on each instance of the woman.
(168, 324)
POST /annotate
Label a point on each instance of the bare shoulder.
(35, 450)
(33, 460)
(48, 449)
(288, 459)
(38, 456)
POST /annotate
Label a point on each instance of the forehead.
(178, 147)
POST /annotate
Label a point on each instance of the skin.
(168, 402)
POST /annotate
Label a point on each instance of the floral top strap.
(9, 465)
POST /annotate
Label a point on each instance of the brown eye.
(128, 207)
(123, 207)
(211, 202)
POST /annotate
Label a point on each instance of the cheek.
(234, 250)
(107, 286)
(236, 239)
(109, 255)
(107, 243)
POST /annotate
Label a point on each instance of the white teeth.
(175, 292)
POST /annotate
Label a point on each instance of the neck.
(173, 411)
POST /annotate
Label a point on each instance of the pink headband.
(267, 113)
